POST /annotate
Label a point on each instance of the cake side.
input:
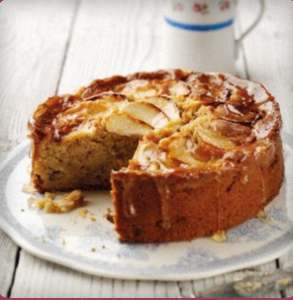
(214, 170)
(185, 205)
(190, 153)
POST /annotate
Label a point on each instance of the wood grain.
(32, 48)
(8, 253)
(58, 46)
(111, 37)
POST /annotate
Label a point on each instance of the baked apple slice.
(166, 105)
(114, 100)
(84, 110)
(137, 89)
(232, 113)
(124, 124)
(213, 138)
(183, 149)
(147, 113)
(171, 88)
(230, 129)
(145, 153)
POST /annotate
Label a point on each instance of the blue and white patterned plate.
(91, 245)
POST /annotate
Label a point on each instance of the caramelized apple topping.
(184, 118)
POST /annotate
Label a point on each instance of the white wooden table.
(56, 46)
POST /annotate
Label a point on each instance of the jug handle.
(251, 27)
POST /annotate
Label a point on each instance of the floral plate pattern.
(89, 243)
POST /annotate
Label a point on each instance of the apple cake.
(186, 154)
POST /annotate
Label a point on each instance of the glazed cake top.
(184, 119)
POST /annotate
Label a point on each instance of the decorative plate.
(89, 243)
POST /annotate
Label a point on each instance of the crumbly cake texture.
(189, 154)
(64, 204)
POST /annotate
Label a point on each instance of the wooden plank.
(122, 37)
(8, 253)
(33, 41)
(124, 288)
(286, 262)
(103, 43)
(37, 286)
(32, 46)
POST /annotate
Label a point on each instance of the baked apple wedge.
(126, 125)
(147, 113)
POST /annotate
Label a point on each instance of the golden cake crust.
(205, 150)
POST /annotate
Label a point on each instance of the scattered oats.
(82, 213)
(93, 219)
(63, 242)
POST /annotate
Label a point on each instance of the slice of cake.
(190, 153)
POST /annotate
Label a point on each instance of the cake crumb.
(261, 215)
(29, 188)
(109, 215)
(68, 203)
(63, 242)
(93, 249)
(31, 201)
(82, 213)
(93, 219)
(220, 236)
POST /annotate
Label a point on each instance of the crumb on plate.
(50, 205)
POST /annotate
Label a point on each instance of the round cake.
(186, 154)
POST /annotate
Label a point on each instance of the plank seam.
(14, 271)
(278, 266)
(67, 45)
